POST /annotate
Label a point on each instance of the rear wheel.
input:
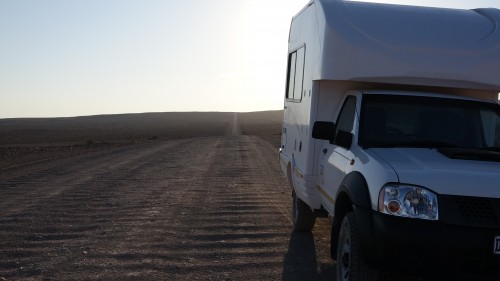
(350, 264)
(303, 215)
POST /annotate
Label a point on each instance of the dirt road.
(205, 208)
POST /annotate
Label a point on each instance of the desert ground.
(156, 196)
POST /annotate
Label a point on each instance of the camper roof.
(408, 45)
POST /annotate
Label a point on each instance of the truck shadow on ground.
(300, 262)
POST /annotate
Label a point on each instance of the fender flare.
(352, 196)
(355, 186)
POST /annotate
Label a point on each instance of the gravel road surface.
(204, 208)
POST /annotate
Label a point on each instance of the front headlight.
(408, 201)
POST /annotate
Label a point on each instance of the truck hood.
(429, 168)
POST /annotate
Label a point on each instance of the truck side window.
(491, 128)
(345, 121)
(295, 75)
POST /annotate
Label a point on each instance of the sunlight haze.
(72, 58)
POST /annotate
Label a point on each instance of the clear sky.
(71, 58)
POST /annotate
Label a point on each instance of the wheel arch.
(352, 194)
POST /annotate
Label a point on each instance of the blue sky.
(71, 58)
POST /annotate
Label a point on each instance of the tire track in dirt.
(94, 199)
(51, 178)
(208, 208)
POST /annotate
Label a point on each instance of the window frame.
(342, 111)
(298, 55)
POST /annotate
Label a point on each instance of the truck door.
(336, 159)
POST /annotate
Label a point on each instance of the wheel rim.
(345, 258)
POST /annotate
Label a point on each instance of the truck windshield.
(416, 121)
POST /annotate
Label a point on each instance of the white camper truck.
(392, 128)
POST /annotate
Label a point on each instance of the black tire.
(302, 215)
(350, 264)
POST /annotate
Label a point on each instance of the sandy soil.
(159, 197)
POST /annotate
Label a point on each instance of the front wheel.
(350, 264)
(303, 215)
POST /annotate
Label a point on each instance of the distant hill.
(264, 124)
(131, 127)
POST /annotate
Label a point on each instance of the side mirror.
(323, 130)
(343, 139)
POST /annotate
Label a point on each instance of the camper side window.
(295, 75)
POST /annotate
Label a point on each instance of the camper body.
(392, 128)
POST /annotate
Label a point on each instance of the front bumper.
(428, 248)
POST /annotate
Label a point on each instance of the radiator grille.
(476, 208)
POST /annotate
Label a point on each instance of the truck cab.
(429, 164)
